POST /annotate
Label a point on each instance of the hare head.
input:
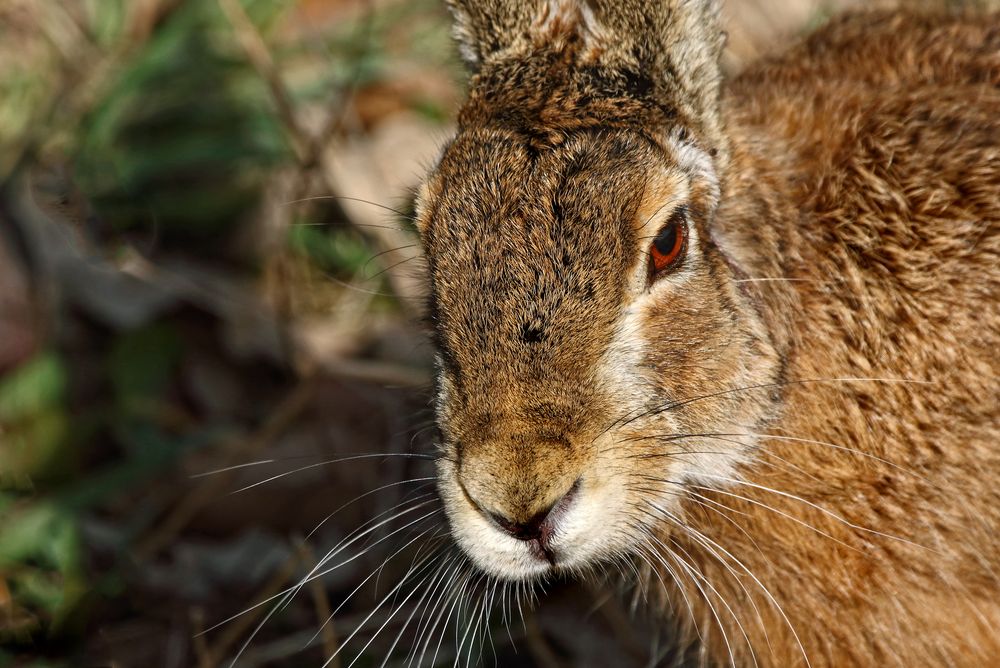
(588, 317)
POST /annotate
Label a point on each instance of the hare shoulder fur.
(741, 338)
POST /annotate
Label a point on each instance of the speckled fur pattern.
(795, 434)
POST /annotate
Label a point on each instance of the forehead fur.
(530, 251)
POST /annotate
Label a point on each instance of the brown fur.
(859, 174)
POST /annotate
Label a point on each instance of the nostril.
(524, 531)
(539, 526)
(530, 530)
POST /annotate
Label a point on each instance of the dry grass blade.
(321, 602)
(260, 57)
(237, 629)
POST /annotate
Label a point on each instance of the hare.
(739, 339)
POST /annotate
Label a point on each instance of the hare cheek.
(594, 528)
(636, 386)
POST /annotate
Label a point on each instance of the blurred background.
(210, 294)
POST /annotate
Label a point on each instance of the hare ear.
(676, 42)
(485, 27)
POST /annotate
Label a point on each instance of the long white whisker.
(782, 513)
(330, 569)
(448, 589)
(673, 575)
(261, 462)
(371, 614)
(357, 588)
(368, 493)
(338, 460)
(428, 580)
(292, 588)
(694, 576)
(818, 507)
(439, 584)
(673, 405)
(714, 549)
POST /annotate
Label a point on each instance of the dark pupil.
(666, 239)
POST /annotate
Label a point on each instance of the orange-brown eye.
(665, 250)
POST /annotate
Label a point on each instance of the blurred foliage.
(143, 133)
(39, 543)
(184, 139)
(334, 251)
(33, 419)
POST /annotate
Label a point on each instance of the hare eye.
(665, 249)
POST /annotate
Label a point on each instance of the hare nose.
(540, 525)
(530, 530)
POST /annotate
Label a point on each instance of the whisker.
(694, 576)
(777, 279)
(275, 460)
(385, 252)
(300, 584)
(439, 584)
(460, 644)
(368, 493)
(713, 547)
(357, 288)
(329, 556)
(448, 589)
(458, 595)
(432, 577)
(860, 453)
(358, 588)
(820, 508)
(787, 516)
(673, 405)
(647, 537)
(763, 435)
(722, 599)
(235, 467)
(378, 607)
(350, 199)
(338, 460)
(396, 264)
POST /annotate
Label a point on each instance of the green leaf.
(43, 533)
(340, 252)
(35, 386)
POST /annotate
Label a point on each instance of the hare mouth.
(492, 548)
(578, 535)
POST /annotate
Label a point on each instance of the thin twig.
(260, 57)
(238, 627)
(321, 602)
(311, 153)
(201, 650)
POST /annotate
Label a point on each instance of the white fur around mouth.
(490, 549)
(581, 536)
